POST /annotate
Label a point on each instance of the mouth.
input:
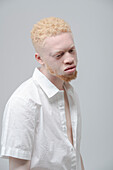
(70, 69)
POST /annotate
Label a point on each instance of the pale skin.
(57, 54)
(19, 164)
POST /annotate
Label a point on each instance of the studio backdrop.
(92, 26)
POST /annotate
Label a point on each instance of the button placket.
(62, 112)
(73, 118)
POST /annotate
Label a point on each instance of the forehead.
(59, 42)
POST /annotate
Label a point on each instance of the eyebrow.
(59, 51)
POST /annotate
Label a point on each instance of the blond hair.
(48, 27)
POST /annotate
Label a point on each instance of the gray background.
(92, 25)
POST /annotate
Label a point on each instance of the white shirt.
(34, 125)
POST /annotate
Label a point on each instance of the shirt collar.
(48, 87)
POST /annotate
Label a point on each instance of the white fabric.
(34, 125)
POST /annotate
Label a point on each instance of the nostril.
(70, 62)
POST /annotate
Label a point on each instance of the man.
(41, 126)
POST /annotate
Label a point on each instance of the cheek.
(55, 63)
(52, 64)
(75, 58)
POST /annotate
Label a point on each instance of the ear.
(38, 58)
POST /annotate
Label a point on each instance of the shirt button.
(72, 149)
(60, 104)
(64, 127)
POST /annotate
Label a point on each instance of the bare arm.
(82, 163)
(18, 164)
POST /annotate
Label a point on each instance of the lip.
(72, 68)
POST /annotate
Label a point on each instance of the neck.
(55, 80)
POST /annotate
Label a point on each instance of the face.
(59, 57)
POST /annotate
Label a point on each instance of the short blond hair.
(48, 27)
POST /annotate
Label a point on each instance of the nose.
(69, 59)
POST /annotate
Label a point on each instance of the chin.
(68, 77)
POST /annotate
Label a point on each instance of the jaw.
(66, 78)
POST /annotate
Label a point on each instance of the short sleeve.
(18, 129)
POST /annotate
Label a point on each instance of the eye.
(59, 55)
(71, 50)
